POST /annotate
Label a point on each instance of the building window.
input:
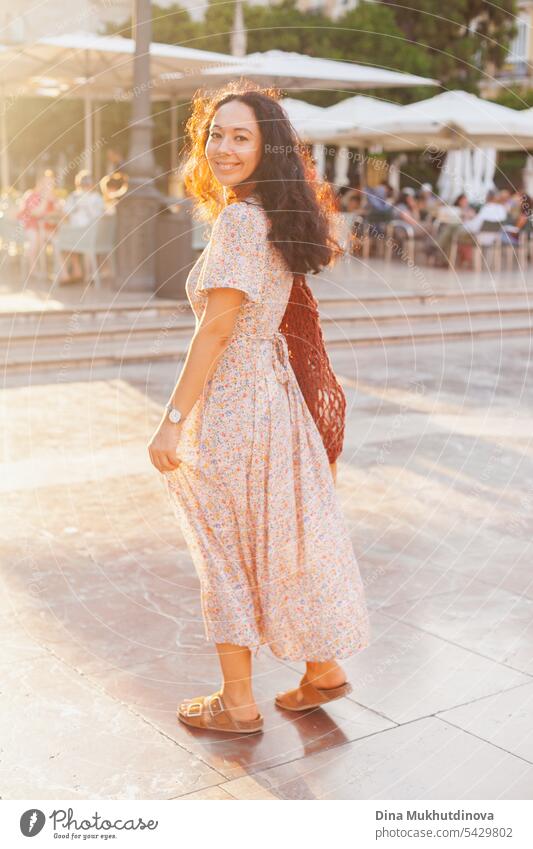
(518, 51)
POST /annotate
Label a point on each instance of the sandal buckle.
(216, 699)
(194, 709)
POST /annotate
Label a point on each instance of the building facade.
(518, 68)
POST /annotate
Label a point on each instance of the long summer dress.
(254, 494)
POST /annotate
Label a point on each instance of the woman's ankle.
(237, 693)
(326, 674)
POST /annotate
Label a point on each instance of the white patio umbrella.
(302, 115)
(351, 117)
(92, 68)
(298, 71)
(450, 120)
(456, 119)
(321, 125)
(103, 63)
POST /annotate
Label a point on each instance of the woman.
(82, 208)
(448, 220)
(38, 207)
(245, 464)
(520, 219)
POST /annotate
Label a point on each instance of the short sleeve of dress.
(237, 251)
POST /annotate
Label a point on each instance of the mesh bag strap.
(310, 362)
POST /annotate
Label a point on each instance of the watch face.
(174, 416)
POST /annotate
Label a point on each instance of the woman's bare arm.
(209, 341)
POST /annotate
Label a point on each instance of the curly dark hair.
(299, 206)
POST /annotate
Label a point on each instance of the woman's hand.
(162, 446)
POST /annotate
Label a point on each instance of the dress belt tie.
(280, 352)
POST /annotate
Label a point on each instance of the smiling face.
(233, 149)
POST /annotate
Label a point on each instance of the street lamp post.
(137, 211)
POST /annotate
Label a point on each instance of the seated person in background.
(406, 209)
(82, 207)
(521, 220)
(428, 202)
(379, 207)
(349, 229)
(458, 212)
(378, 196)
(352, 201)
(505, 197)
(493, 210)
(515, 206)
(342, 194)
(113, 186)
(37, 207)
(450, 218)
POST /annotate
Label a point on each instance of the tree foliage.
(456, 42)
(460, 38)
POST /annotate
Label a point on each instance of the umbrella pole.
(139, 208)
(173, 136)
(362, 170)
(98, 137)
(3, 144)
(88, 131)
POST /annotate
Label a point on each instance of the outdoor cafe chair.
(96, 240)
(516, 243)
(397, 225)
(489, 236)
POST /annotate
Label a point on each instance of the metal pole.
(141, 155)
(88, 131)
(362, 169)
(97, 159)
(173, 136)
(138, 210)
(3, 144)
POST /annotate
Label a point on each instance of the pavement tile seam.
(486, 696)
(453, 643)
(339, 749)
(488, 582)
(462, 731)
(336, 748)
(91, 681)
(350, 745)
(484, 740)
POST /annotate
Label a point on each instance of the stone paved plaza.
(101, 627)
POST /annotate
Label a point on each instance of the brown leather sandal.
(306, 695)
(210, 712)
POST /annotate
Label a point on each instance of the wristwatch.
(173, 414)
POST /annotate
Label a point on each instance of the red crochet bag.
(322, 391)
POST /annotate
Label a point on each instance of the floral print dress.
(254, 494)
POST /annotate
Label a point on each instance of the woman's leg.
(325, 674)
(236, 665)
(65, 276)
(33, 239)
